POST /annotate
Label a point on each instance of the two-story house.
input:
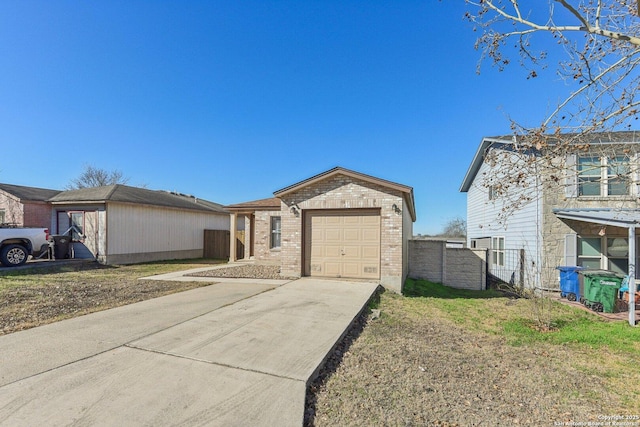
(557, 204)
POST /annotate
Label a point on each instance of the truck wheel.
(13, 255)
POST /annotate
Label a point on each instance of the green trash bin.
(601, 289)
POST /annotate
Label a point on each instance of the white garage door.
(343, 243)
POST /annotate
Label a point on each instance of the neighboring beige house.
(588, 219)
(339, 223)
(22, 206)
(118, 224)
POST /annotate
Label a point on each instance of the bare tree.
(599, 45)
(456, 227)
(96, 177)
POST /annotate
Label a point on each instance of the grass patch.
(444, 356)
(47, 293)
(426, 289)
(492, 312)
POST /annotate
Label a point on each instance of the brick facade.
(24, 213)
(263, 252)
(37, 215)
(339, 190)
(345, 192)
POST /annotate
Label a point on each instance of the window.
(610, 253)
(497, 251)
(77, 224)
(603, 176)
(492, 192)
(2, 215)
(589, 252)
(618, 176)
(589, 176)
(275, 232)
(618, 254)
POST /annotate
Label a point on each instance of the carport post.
(232, 237)
(632, 275)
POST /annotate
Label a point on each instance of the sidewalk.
(227, 354)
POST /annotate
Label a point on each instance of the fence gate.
(506, 266)
(216, 244)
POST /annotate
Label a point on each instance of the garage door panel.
(332, 269)
(333, 236)
(371, 253)
(332, 220)
(343, 243)
(371, 220)
(371, 236)
(352, 235)
(331, 251)
(352, 252)
(352, 220)
(351, 269)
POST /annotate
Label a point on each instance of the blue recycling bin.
(570, 282)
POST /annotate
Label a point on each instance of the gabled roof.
(256, 205)
(125, 194)
(33, 194)
(404, 189)
(624, 137)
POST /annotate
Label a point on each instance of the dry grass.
(46, 294)
(458, 360)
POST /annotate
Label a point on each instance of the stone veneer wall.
(343, 192)
(262, 252)
(554, 229)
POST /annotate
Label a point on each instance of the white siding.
(134, 229)
(522, 229)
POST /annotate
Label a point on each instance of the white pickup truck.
(16, 244)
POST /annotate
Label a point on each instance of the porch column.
(632, 275)
(247, 236)
(233, 226)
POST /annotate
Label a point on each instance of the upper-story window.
(603, 176)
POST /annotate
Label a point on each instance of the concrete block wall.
(343, 192)
(458, 268)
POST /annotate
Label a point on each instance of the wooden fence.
(216, 244)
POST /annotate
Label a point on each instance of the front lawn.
(440, 356)
(46, 294)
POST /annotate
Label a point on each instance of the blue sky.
(233, 100)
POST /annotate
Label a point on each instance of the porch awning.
(625, 218)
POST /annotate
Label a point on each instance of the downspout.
(632, 275)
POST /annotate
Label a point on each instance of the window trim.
(74, 236)
(496, 259)
(275, 232)
(604, 177)
(604, 258)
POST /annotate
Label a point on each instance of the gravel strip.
(249, 271)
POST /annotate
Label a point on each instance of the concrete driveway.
(235, 353)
